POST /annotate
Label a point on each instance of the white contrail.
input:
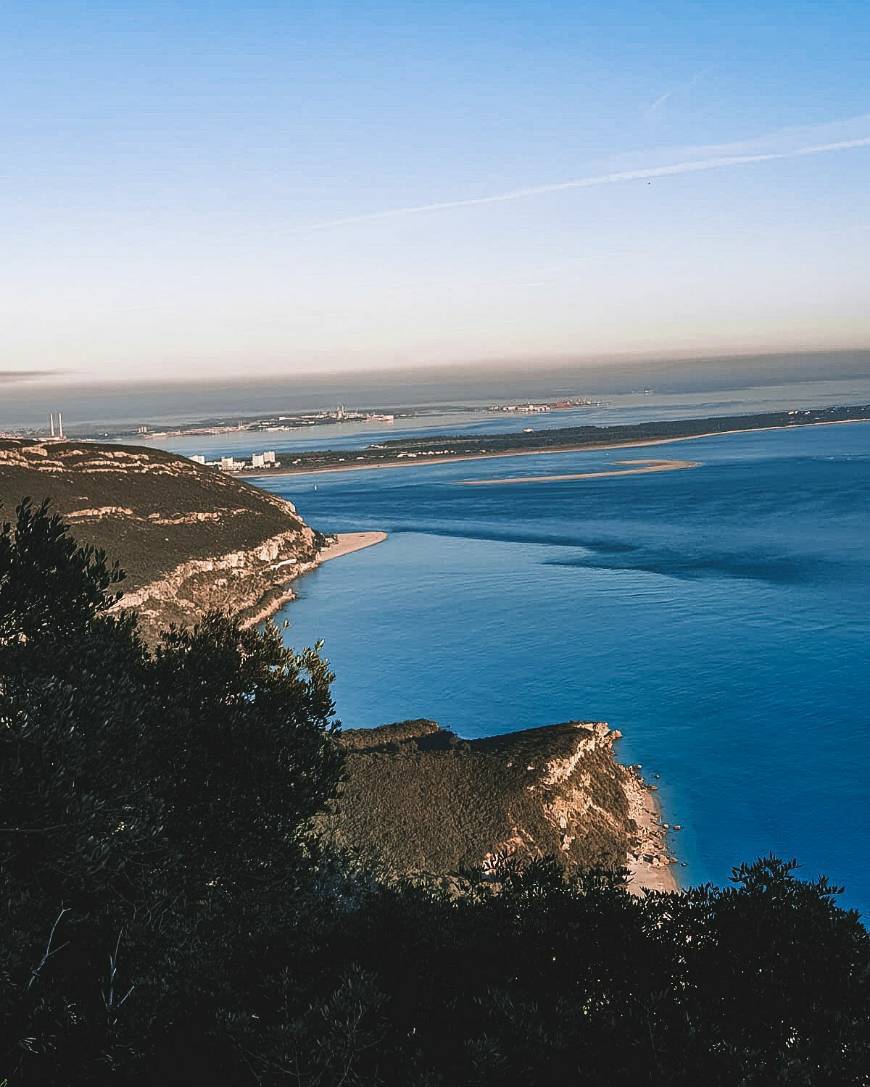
(691, 166)
(680, 88)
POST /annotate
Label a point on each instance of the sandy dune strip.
(638, 468)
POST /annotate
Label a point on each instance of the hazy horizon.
(214, 191)
(28, 403)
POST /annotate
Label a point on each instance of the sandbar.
(637, 468)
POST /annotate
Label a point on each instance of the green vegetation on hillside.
(169, 919)
(418, 800)
(193, 539)
(156, 509)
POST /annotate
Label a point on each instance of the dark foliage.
(167, 919)
(560, 980)
(151, 813)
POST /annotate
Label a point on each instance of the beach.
(650, 862)
(345, 543)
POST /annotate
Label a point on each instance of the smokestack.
(51, 423)
(59, 425)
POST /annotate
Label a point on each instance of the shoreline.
(345, 543)
(587, 447)
(342, 543)
(651, 862)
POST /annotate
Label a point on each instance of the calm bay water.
(719, 617)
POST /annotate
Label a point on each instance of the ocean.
(718, 617)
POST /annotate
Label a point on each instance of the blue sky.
(202, 188)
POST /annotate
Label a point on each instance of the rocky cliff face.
(189, 537)
(424, 802)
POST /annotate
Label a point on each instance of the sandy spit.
(641, 467)
(345, 543)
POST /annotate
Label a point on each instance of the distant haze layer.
(28, 403)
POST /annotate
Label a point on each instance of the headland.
(188, 538)
(421, 802)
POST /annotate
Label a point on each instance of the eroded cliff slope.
(189, 538)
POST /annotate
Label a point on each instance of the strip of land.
(414, 452)
(639, 468)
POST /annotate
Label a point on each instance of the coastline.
(650, 863)
(342, 543)
(588, 447)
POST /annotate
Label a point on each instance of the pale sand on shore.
(344, 543)
(642, 468)
(650, 862)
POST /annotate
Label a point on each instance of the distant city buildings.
(267, 459)
(540, 409)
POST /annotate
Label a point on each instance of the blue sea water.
(718, 616)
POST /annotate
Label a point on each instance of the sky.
(192, 190)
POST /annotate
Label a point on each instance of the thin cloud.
(674, 169)
(680, 88)
(660, 101)
(9, 376)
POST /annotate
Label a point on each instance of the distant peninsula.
(405, 452)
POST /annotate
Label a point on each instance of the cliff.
(422, 802)
(189, 538)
